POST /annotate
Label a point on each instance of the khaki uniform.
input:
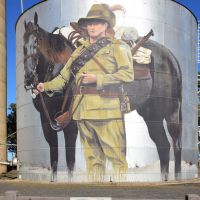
(100, 120)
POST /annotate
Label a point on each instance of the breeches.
(103, 140)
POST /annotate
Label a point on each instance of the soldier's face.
(96, 29)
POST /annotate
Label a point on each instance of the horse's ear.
(36, 18)
(25, 25)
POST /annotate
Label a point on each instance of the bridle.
(35, 57)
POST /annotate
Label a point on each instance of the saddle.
(141, 63)
(141, 71)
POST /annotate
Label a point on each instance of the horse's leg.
(154, 122)
(52, 139)
(70, 134)
(158, 135)
(174, 125)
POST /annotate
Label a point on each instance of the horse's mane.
(57, 42)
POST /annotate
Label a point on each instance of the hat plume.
(117, 7)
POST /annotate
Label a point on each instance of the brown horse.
(44, 56)
(156, 99)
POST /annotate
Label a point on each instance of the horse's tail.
(180, 98)
(178, 72)
(180, 117)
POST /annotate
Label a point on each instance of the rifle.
(141, 42)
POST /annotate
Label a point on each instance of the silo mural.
(102, 92)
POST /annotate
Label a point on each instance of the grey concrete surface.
(157, 190)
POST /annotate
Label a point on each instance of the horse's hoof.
(70, 176)
(54, 177)
(164, 177)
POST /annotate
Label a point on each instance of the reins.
(55, 125)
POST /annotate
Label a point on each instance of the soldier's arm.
(124, 72)
(63, 77)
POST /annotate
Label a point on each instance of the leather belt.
(92, 90)
(87, 90)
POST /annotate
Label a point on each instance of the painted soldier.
(106, 63)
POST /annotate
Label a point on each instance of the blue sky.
(13, 11)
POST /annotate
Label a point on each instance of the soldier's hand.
(40, 87)
(88, 78)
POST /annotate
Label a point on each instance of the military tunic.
(100, 120)
(117, 60)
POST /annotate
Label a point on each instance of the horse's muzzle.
(28, 87)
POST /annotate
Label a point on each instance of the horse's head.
(38, 43)
(31, 52)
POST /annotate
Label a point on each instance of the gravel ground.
(157, 190)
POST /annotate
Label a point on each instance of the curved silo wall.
(3, 132)
(166, 117)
